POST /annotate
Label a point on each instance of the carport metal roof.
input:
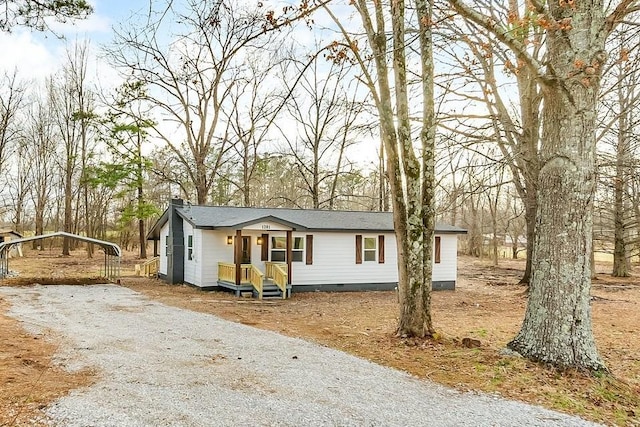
(112, 252)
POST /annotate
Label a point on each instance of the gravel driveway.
(165, 366)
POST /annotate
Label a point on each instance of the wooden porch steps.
(269, 290)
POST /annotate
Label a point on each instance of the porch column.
(237, 248)
(289, 254)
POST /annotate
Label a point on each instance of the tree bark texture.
(557, 325)
(620, 259)
(410, 181)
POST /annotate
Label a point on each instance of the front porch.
(273, 283)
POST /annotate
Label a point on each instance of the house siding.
(164, 232)
(446, 270)
(213, 249)
(334, 261)
(190, 266)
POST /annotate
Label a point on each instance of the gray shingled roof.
(228, 217)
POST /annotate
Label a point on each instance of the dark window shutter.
(264, 251)
(381, 249)
(309, 249)
(358, 248)
(436, 252)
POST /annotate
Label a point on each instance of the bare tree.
(618, 152)
(324, 114)
(190, 80)
(557, 325)
(71, 103)
(487, 72)
(40, 149)
(11, 102)
(252, 110)
(411, 172)
(19, 184)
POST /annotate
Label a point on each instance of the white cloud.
(22, 51)
(95, 23)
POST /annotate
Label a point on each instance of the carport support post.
(175, 262)
(4, 262)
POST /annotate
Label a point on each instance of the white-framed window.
(190, 247)
(297, 254)
(279, 249)
(370, 248)
(166, 245)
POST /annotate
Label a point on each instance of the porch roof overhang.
(241, 225)
(154, 232)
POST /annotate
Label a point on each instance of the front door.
(246, 250)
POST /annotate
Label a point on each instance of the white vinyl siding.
(211, 249)
(334, 262)
(333, 258)
(164, 233)
(446, 269)
(190, 265)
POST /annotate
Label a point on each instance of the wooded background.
(247, 117)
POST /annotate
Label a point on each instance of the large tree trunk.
(531, 208)
(415, 295)
(410, 179)
(202, 187)
(557, 325)
(39, 223)
(141, 228)
(528, 158)
(620, 260)
(68, 214)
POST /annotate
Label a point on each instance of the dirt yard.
(487, 306)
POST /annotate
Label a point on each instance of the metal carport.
(112, 252)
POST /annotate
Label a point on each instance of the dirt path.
(160, 365)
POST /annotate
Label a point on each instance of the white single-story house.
(253, 249)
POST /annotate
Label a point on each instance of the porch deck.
(271, 284)
(269, 290)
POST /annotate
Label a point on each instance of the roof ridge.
(282, 208)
